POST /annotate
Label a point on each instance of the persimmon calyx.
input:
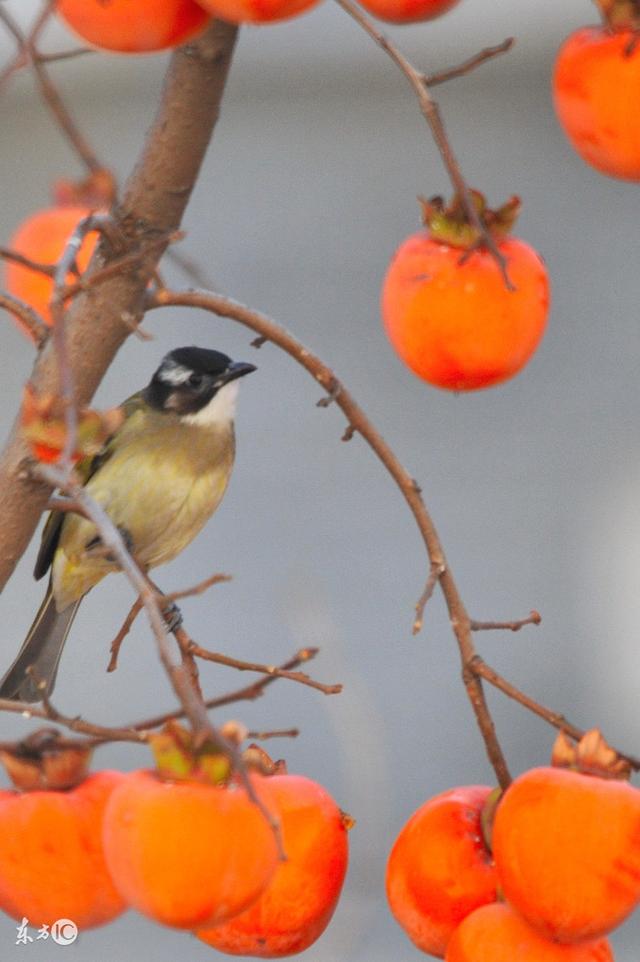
(37, 763)
(591, 755)
(44, 426)
(620, 14)
(98, 191)
(451, 224)
(180, 756)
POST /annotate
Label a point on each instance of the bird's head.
(197, 384)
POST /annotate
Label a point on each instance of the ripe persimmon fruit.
(440, 868)
(297, 904)
(134, 26)
(42, 238)
(567, 851)
(256, 11)
(596, 91)
(446, 306)
(52, 862)
(408, 11)
(496, 933)
(185, 853)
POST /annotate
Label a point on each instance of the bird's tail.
(41, 651)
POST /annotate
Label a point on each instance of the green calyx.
(454, 225)
(180, 757)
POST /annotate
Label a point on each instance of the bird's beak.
(235, 370)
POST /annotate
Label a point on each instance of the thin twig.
(29, 318)
(119, 266)
(10, 255)
(279, 733)
(272, 670)
(534, 618)
(488, 53)
(247, 693)
(479, 667)
(127, 624)
(435, 572)
(76, 724)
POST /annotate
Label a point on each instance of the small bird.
(159, 477)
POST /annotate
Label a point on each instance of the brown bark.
(153, 203)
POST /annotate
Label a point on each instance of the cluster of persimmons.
(541, 872)
(184, 844)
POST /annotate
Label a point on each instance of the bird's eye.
(195, 381)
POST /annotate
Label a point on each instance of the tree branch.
(265, 327)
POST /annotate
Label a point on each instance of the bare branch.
(358, 421)
(533, 618)
(272, 670)
(432, 80)
(29, 318)
(480, 668)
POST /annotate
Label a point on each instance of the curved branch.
(265, 327)
(101, 318)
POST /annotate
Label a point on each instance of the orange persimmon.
(256, 11)
(440, 868)
(596, 91)
(446, 306)
(408, 11)
(567, 851)
(496, 933)
(51, 857)
(134, 26)
(297, 904)
(42, 238)
(187, 853)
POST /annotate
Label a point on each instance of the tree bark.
(100, 320)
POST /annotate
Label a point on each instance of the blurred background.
(309, 186)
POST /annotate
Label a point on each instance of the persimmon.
(447, 309)
(185, 853)
(596, 90)
(256, 11)
(440, 868)
(134, 26)
(567, 851)
(297, 904)
(42, 238)
(408, 11)
(52, 862)
(496, 933)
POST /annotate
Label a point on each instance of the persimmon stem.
(431, 113)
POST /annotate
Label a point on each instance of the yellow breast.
(160, 486)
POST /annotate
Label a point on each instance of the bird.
(159, 477)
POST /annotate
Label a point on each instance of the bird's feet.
(172, 617)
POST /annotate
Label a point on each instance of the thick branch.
(100, 319)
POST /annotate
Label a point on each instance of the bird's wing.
(85, 469)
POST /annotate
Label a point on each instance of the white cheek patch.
(174, 374)
(219, 411)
